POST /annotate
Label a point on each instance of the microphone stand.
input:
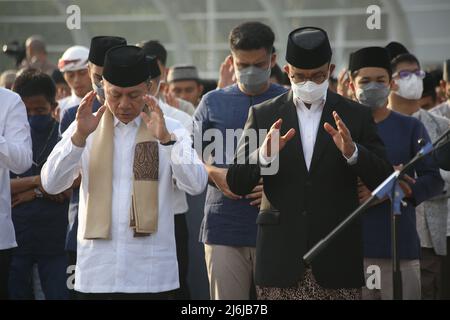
(388, 188)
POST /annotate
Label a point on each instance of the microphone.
(425, 147)
(421, 142)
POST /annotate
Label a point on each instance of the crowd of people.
(99, 152)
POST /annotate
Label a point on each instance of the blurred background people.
(40, 219)
(36, 55)
(183, 82)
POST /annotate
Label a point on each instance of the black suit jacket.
(303, 207)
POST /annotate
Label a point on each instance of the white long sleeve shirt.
(125, 263)
(180, 204)
(16, 155)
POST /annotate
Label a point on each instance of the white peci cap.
(74, 58)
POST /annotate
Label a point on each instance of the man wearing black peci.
(325, 142)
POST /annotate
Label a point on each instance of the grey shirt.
(432, 214)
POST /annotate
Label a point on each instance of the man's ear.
(163, 70)
(351, 85)
(273, 60)
(332, 67)
(104, 84)
(231, 60)
(164, 87)
(443, 84)
(286, 69)
(394, 85)
(164, 73)
(55, 112)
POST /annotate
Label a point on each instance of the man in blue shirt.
(228, 229)
(371, 81)
(40, 220)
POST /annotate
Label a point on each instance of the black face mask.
(40, 123)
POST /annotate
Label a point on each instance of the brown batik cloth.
(307, 289)
(144, 199)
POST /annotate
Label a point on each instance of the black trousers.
(52, 271)
(5, 261)
(71, 261)
(446, 274)
(181, 238)
(431, 274)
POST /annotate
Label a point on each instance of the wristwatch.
(173, 139)
(38, 193)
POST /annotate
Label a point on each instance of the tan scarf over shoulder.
(144, 198)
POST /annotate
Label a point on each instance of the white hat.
(74, 58)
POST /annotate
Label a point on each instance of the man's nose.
(124, 103)
(77, 79)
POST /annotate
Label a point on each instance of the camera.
(16, 50)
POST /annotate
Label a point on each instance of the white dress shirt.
(308, 123)
(174, 113)
(125, 263)
(180, 204)
(16, 155)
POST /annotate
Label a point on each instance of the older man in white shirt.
(128, 157)
(15, 155)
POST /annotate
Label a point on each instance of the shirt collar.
(136, 122)
(315, 107)
(74, 97)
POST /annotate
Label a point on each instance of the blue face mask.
(40, 123)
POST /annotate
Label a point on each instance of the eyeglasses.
(317, 78)
(406, 74)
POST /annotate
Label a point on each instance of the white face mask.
(410, 88)
(310, 91)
